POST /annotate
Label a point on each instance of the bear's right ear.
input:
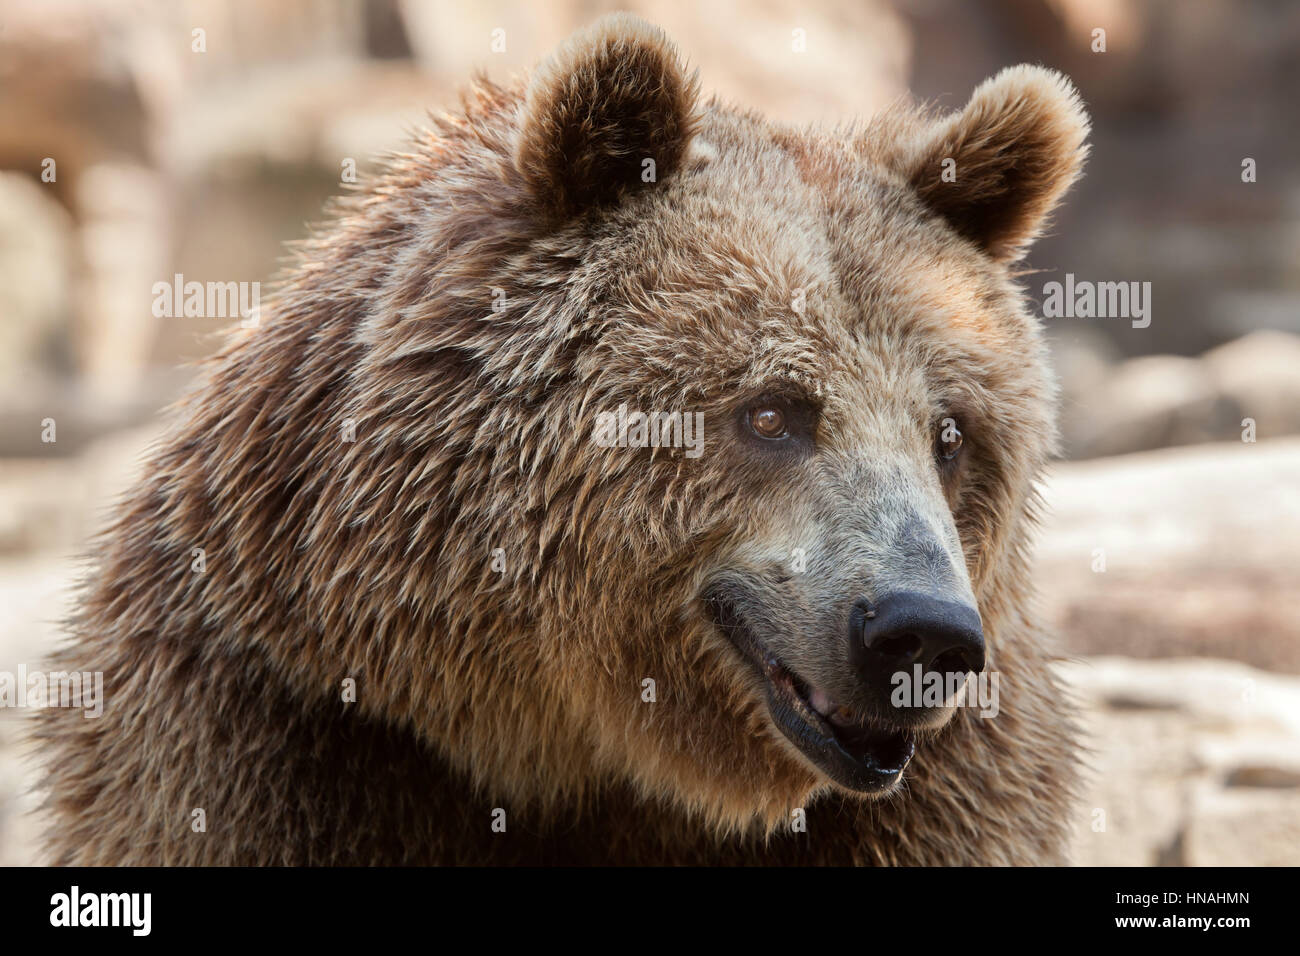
(611, 98)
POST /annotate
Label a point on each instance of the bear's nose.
(907, 628)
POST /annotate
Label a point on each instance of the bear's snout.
(910, 636)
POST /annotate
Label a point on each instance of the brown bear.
(587, 492)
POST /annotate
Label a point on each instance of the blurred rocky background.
(140, 139)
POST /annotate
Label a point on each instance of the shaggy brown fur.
(521, 689)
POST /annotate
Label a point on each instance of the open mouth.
(856, 752)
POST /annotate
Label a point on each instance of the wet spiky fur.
(521, 689)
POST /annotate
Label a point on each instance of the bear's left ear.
(611, 98)
(1015, 148)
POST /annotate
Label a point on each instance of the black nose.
(907, 628)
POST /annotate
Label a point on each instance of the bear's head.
(735, 423)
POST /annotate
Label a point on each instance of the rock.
(35, 596)
(1151, 402)
(55, 504)
(1195, 551)
(1243, 828)
(1161, 401)
(1264, 760)
(1202, 694)
(36, 269)
(81, 415)
(125, 235)
(1260, 374)
(1193, 762)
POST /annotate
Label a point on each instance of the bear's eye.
(948, 440)
(777, 423)
(767, 421)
